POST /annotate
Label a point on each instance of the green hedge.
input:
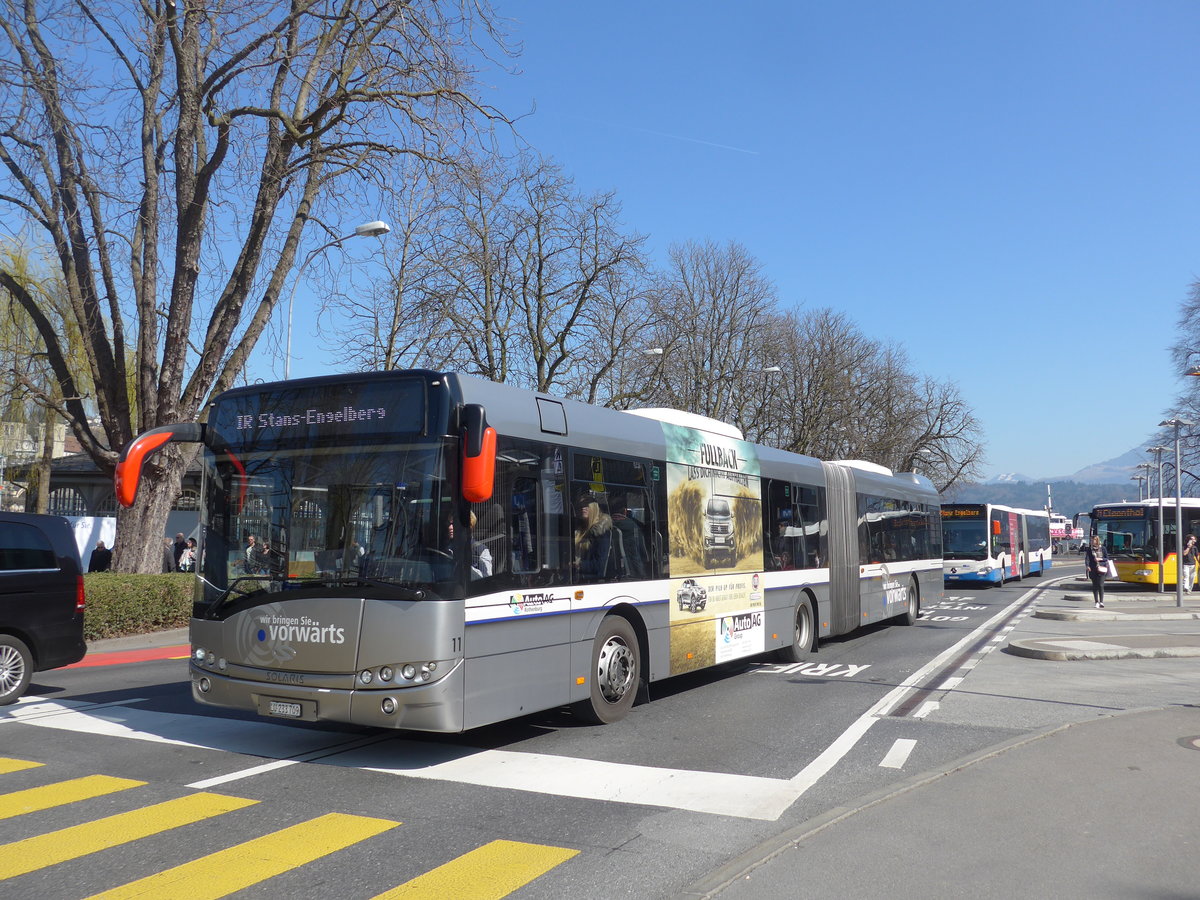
(119, 604)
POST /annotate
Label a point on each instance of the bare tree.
(1185, 356)
(714, 312)
(506, 271)
(174, 153)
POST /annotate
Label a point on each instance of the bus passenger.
(593, 539)
(631, 536)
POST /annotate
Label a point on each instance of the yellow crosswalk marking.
(20, 802)
(15, 765)
(490, 872)
(31, 854)
(226, 871)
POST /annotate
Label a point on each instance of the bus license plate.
(282, 708)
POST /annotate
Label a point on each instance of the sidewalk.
(154, 645)
(1104, 809)
(1071, 601)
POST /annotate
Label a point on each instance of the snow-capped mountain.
(1117, 470)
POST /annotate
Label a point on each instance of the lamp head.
(372, 229)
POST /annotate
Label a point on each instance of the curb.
(1025, 648)
(1105, 615)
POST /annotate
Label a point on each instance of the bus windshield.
(1137, 538)
(964, 539)
(322, 516)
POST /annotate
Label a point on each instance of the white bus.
(446, 552)
(987, 542)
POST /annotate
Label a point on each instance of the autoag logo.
(521, 604)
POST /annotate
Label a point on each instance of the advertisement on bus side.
(714, 505)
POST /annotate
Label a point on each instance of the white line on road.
(926, 708)
(898, 755)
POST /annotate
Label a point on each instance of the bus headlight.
(1144, 573)
(199, 654)
(399, 675)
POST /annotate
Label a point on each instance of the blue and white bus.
(447, 552)
(987, 542)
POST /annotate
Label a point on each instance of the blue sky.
(1008, 190)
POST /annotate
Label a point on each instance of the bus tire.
(16, 668)
(804, 634)
(616, 673)
(910, 616)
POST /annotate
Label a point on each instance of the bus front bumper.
(437, 706)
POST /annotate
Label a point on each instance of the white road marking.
(898, 755)
(719, 793)
(244, 773)
(926, 708)
(1087, 645)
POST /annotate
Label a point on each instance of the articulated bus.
(447, 552)
(991, 543)
(1129, 531)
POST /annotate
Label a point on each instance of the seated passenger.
(593, 538)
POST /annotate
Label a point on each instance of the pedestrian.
(1189, 563)
(101, 558)
(169, 564)
(179, 547)
(187, 559)
(1095, 564)
(250, 556)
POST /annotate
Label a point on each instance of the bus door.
(844, 590)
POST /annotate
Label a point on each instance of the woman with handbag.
(1095, 564)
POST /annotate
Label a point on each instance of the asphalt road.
(716, 765)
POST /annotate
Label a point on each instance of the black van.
(41, 599)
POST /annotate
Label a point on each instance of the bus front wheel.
(616, 672)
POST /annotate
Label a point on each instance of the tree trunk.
(140, 535)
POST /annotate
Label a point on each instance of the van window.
(24, 547)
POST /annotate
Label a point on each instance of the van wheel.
(616, 673)
(16, 669)
(804, 635)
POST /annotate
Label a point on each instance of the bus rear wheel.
(804, 635)
(910, 616)
(616, 672)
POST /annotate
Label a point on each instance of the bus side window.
(808, 520)
(522, 525)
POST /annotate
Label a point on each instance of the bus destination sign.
(1121, 512)
(297, 414)
(962, 512)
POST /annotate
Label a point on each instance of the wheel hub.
(615, 670)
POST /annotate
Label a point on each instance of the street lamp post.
(1158, 452)
(1176, 423)
(1141, 480)
(367, 229)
